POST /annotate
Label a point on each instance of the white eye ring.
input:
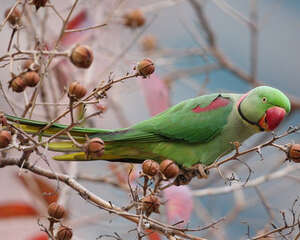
(264, 99)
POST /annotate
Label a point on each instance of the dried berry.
(5, 138)
(26, 65)
(77, 90)
(82, 56)
(169, 169)
(14, 18)
(294, 152)
(64, 233)
(168, 81)
(3, 120)
(149, 43)
(31, 78)
(150, 204)
(145, 67)
(150, 167)
(30, 65)
(134, 18)
(56, 210)
(39, 3)
(17, 84)
(95, 146)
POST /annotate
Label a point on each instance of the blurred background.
(259, 38)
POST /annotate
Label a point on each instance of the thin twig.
(85, 28)
(251, 183)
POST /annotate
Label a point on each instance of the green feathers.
(192, 121)
(197, 130)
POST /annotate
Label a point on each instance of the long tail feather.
(120, 145)
(82, 156)
(63, 146)
(113, 151)
(35, 127)
(79, 156)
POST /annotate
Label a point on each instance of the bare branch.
(251, 183)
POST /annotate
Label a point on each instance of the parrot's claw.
(184, 178)
(202, 173)
(187, 174)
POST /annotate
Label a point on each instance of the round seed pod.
(56, 210)
(134, 19)
(3, 120)
(14, 18)
(95, 146)
(294, 153)
(169, 169)
(17, 84)
(30, 65)
(150, 167)
(5, 138)
(149, 43)
(150, 204)
(31, 78)
(39, 3)
(26, 65)
(145, 67)
(64, 233)
(82, 56)
(77, 90)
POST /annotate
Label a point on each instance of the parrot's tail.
(119, 145)
(36, 127)
(113, 151)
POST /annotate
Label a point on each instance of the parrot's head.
(264, 107)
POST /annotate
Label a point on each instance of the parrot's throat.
(243, 116)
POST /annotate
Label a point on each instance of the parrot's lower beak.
(272, 118)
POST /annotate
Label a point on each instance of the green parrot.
(195, 131)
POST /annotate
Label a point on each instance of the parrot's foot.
(202, 172)
(185, 177)
(187, 174)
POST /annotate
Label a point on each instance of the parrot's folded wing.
(195, 120)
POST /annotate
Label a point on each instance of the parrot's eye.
(264, 99)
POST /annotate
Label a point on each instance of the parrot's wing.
(195, 120)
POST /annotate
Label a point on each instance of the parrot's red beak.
(272, 118)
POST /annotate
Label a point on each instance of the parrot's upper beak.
(272, 118)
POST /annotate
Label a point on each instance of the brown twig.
(277, 230)
(264, 203)
(256, 148)
(101, 203)
(65, 22)
(224, 61)
(9, 13)
(85, 28)
(94, 92)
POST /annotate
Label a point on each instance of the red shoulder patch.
(215, 104)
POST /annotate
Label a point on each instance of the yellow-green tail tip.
(79, 156)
